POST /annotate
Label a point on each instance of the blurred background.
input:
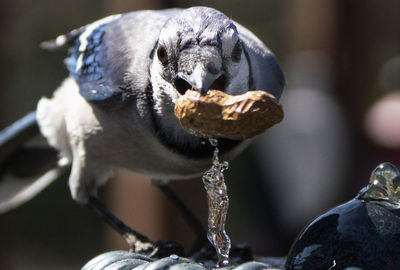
(342, 118)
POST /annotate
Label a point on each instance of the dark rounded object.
(358, 233)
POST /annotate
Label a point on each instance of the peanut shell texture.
(235, 117)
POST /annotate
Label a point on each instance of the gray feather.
(266, 72)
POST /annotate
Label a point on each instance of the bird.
(115, 110)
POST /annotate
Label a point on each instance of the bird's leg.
(136, 241)
(189, 217)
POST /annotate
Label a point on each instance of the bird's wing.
(265, 71)
(110, 58)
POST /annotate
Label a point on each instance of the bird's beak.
(201, 79)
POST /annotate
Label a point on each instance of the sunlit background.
(342, 118)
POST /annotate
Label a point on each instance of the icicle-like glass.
(218, 203)
(384, 185)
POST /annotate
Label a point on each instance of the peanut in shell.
(218, 114)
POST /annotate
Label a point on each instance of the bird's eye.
(237, 52)
(162, 54)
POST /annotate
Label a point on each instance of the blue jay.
(116, 109)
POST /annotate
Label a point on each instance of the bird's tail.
(22, 158)
(62, 41)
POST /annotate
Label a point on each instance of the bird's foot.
(137, 242)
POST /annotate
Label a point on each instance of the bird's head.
(200, 49)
